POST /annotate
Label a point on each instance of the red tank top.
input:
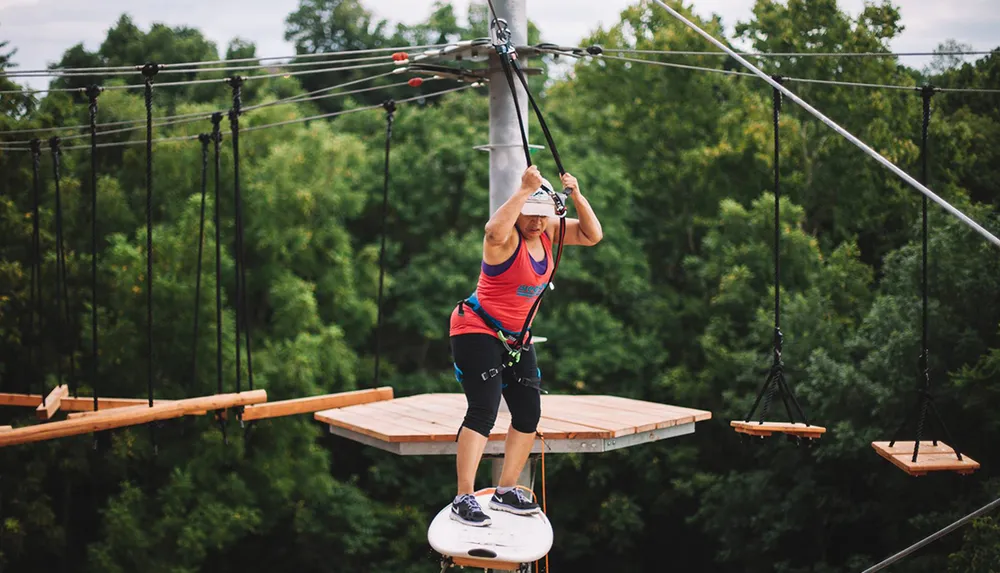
(507, 291)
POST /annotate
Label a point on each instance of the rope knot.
(390, 106)
(205, 139)
(149, 70)
(36, 146)
(595, 50)
(54, 142)
(92, 91)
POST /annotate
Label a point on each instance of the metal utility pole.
(506, 154)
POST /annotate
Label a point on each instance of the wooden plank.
(634, 405)
(385, 429)
(129, 417)
(136, 406)
(84, 404)
(6, 428)
(23, 400)
(485, 563)
(768, 428)
(438, 405)
(383, 418)
(643, 418)
(71, 404)
(316, 403)
(614, 423)
(448, 415)
(400, 411)
(51, 405)
(930, 458)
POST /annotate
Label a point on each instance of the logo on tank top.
(530, 291)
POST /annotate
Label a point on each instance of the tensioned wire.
(60, 74)
(784, 78)
(213, 80)
(242, 60)
(265, 126)
(198, 116)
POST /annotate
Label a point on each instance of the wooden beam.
(316, 403)
(6, 428)
(117, 418)
(71, 404)
(52, 401)
(120, 407)
(84, 404)
(25, 400)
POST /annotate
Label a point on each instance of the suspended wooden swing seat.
(930, 457)
(764, 429)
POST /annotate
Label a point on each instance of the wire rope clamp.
(149, 69)
(92, 91)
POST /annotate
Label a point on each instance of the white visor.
(540, 203)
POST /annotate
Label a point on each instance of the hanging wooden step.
(768, 428)
(930, 457)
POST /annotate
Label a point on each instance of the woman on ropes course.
(490, 340)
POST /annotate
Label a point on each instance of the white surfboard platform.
(510, 539)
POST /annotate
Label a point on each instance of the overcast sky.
(42, 30)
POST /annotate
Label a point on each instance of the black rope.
(62, 294)
(92, 92)
(216, 141)
(36, 266)
(148, 71)
(925, 396)
(507, 56)
(925, 399)
(242, 317)
(775, 382)
(205, 139)
(390, 110)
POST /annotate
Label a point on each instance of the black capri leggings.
(478, 356)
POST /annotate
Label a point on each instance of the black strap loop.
(149, 71)
(205, 140)
(242, 316)
(36, 265)
(92, 92)
(926, 94)
(216, 141)
(390, 110)
(62, 293)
